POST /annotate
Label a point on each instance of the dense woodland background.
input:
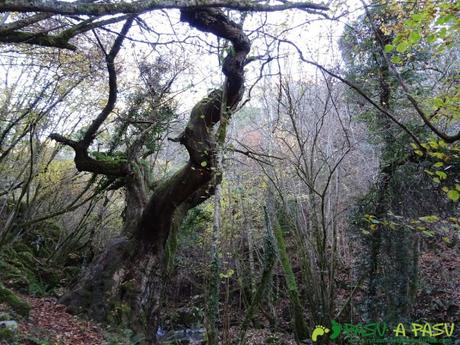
(226, 172)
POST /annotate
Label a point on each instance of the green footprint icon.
(319, 330)
(336, 329)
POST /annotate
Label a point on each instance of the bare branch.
(387, 112)
(110, 59)
(137, 7)
(40, 39)
(256, 155)
(19, 24)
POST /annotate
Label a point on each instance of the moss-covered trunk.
(300, 327)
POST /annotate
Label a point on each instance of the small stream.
(190, 336)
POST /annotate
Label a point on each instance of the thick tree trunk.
(121, 287)
(123, 284)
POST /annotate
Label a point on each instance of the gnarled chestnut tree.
(128, 271)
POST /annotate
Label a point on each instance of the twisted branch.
(82, 159)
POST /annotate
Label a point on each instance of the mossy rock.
(15, 270)
(271, 340)
(14, 276)
(6, 334)
(18, 305)
(4, 316)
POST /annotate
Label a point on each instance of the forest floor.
(50, 324)
(438, 298)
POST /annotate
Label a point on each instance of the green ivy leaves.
(434, 26)
(445, 157)
(453, 195)
(227, 274)
(389, 48)
(402, 47)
